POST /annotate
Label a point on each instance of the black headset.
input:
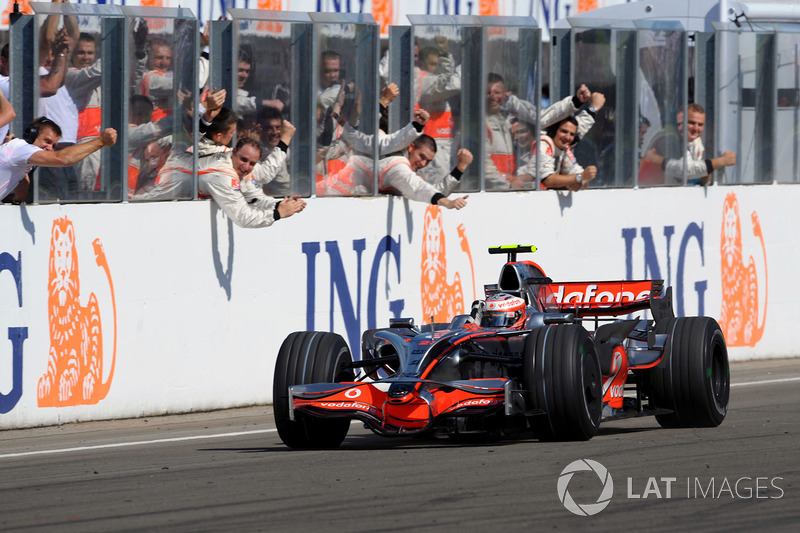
(32, 131)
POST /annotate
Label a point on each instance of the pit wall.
(190, 311)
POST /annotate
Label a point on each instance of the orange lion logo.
(383, 11)
(739, 313)
(24, 9)
(270, 26)
(74, 373)
(440, 299)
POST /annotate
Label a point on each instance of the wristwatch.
(578, 178)
(592, 109)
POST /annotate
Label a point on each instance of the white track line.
(254, 432)
(748, 383)
(136, 443)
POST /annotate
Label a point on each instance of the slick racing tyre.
(310, 357)
(693, 378)
(561, 373)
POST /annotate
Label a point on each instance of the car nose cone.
(400, 392)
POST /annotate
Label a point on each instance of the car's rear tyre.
(561, 373)
(693, 377)
(310, 357)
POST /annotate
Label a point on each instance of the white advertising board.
(386, 12)
(190, 311)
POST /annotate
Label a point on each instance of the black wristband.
(275, 213)
(709, 166)
(283, 146)
(436, 197)
(576, 102)
(456, 173)
(417, 126)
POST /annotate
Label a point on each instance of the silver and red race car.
(556, 358)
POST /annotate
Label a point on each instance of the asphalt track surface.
(228, 471)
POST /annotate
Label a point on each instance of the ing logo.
(74, 373)
(739, 312)
(441, 299)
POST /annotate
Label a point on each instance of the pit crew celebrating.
(400, 173)
(557, 164)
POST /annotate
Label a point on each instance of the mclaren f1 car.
(555, 358)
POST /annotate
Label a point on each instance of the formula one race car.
(523, 359)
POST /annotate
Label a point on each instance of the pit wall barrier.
(126, 310)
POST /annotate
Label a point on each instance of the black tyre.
(310, 357)
(561, 372)
(693, 378)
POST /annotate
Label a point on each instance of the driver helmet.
(503, 310)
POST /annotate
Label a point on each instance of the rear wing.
(598, 298)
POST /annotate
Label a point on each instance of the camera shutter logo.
(587, 509)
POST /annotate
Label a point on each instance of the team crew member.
(400, 173)
(557, 164)
(19, 156)
(357, 176)
(221, 177)
(245, 158)
(83, 84)
(158, 82)
(699, 169)
(436, 81)
(275, 136)
(501, 108)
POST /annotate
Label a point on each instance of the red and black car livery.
(569, 363)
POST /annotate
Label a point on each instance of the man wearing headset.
(19, 156)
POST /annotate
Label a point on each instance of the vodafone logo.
(586, 509)
(592, 293)
(481, 402)
(504, 305)
(349, 405)
(353, 393)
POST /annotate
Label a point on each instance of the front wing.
(414, 412)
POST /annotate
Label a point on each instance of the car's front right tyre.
(561, 373)
(309, 357)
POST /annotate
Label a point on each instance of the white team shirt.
(4, 86)
(14, 165)
(61, 109)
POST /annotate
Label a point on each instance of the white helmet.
(503, 310)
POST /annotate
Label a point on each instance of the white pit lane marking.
(145, 442)
(765, 382)
(136, 443)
